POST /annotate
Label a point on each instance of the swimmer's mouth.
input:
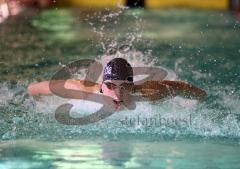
(117, 102)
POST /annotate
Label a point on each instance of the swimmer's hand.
(41, 88)
(156, 90)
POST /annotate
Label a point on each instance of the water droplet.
(124, 48)
(111, 51)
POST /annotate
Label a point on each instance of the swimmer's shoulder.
(86, 86)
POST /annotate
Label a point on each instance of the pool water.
(200, 47)
(119, 154)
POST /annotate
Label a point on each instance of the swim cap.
(118, 69)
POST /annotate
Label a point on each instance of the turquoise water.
(118, 154)
(200, 47)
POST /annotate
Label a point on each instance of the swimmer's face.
(118, 90)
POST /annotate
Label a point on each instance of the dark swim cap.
(118, 69)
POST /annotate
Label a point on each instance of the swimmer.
(117, 83)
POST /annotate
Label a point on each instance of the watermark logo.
(157, 121)
(57, 82)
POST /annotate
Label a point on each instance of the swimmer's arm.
(185, 90)
(156, 90)
(42, 88)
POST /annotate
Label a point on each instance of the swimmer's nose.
(118, 94)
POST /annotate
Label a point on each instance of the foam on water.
(177, 117)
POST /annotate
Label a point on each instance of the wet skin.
(120, 91)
